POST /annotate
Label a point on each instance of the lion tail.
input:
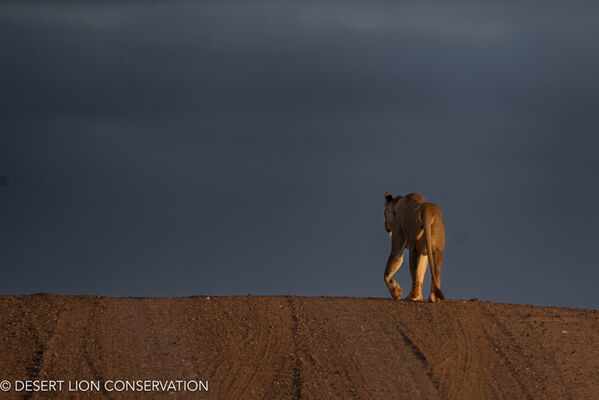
(428, 226)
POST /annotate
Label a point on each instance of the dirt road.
(298, 348)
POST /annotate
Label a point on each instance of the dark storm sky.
(182, 148)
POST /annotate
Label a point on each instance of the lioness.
(418, 226)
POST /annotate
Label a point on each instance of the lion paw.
(396, 293)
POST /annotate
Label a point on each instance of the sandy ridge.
(286, 347)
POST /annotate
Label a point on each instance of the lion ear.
(388, 197)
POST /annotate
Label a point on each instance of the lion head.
(390, 201)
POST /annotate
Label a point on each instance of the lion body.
(415, 225)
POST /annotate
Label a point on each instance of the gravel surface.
(286, 347)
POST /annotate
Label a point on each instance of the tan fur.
(416, 225)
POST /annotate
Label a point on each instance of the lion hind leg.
(418, 267)
(393, 265)
(436, 293)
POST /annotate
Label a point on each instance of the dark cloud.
(230, 148)
(3, 179)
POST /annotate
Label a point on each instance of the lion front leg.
(393, 264)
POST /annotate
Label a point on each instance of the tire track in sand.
(463, 359)
(42, 345)
(478, 360)
(251, 352)
(297, 364)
